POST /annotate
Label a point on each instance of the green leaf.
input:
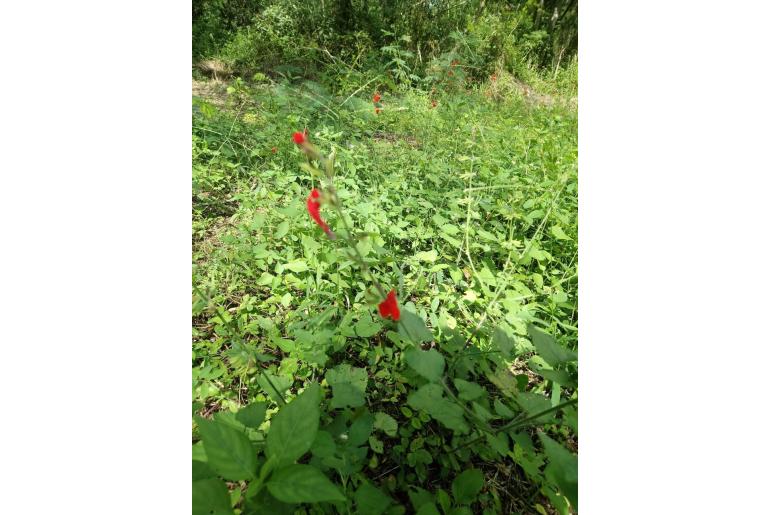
(467, 486)
(282, 383)
(429, 364)
(209, 496)
(429, 398)
(348, 386)
(282, 229)
(296, 266)
(553, 353)
(323, 445)
(385, 423)
(429, 256)
(302, 483)
(294, 428)
(562, 468)
(468, 391)
(413, 327)
(428, 509)
(252, 415)
(367, 328)
(201, 470)
(370, 500)
(559, 233)
(502, 341)
(228, 450)
(361, 428)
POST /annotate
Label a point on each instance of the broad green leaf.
(296, 266)
(418, 497)
(562, 468)
(426, 396)
(323, 445)
(385, 423)
(282, 383)
(294, 428)
(467, 486)
(502, 341)
(361, 428)
(428, 509)
(468, 391)
(209, 496)
(429, 364)
(367, 328)
(252, 415)
(348, 386)
(429, 398)
(553, 353)
(430, 256)
(201, 470)
(413, 328)
(559, 233)
(370, 500)
(302, 483)
(228, 450)
(282, 229)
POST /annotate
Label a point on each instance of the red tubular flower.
(377, 110)
(433, 103)
(299, 138)
(389, 307)
(274, 149)
(494, 77)
(314, 208)
(376, 97)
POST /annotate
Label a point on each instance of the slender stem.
(519, 422)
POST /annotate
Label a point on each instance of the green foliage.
(304, 399)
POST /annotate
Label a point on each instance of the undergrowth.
(305, 400)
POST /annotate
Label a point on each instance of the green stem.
(519, 422)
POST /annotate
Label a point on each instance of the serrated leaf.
(467, 486)
(294, 428)
(429, 364)
(228, 450)
(302, 483)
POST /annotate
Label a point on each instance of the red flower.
(314, 208)
(389, 307)
(494, 77)
(274, 149)
(455, 62)
(450, 73)
(299, 137)
(433, 103)
(376, 97)
(377, 110)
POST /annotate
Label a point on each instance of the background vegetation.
(462, 193)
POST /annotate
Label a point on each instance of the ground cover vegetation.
(384, 237)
